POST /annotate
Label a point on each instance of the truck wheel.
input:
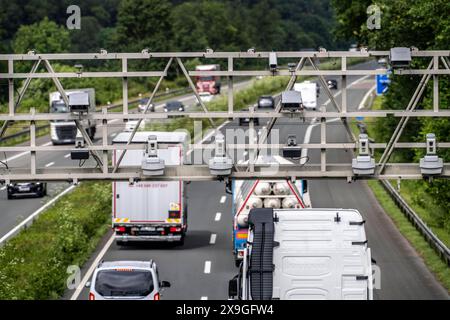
(10, 196)
(181, 242)
(120, 243)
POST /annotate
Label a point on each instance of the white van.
(308, 91)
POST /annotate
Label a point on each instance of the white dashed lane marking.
(49, 164)
(223, 199)
(207, 267)
(218, 216)
(213, 238)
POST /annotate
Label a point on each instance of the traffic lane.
(184, 266)
(403, 273)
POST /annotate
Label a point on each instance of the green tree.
(425, 25)
(45, 37)
(144, 24)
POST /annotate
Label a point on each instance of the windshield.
(112, 283)
(173, 105)
(59, 107)
(209, 78)
(265, 102)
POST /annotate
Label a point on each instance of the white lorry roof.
(161, 136)
(206, 67)
(322, 254)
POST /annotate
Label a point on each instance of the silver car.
(126, 280)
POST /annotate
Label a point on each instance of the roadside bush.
(33, 265)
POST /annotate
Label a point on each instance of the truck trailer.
(249, 194)
(65, 132)
(309, 94)
(151, 210)
(304, 254)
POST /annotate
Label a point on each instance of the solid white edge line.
(363, 101)
(30, 218)
(94, 265)
(207, 267)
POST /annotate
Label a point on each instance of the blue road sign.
(382, 83)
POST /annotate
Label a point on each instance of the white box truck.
(151, 210)
(305, 254)
(65, 132)
(308, 91)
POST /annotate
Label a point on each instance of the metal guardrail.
(414, 218)
(109, 107)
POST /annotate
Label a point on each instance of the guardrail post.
(33, 143)
(230, 86)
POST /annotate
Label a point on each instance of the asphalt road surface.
(202, 267)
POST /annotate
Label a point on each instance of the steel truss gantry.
(438, 65)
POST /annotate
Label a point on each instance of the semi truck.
(249, 194)
(309, 93)
(65, 132)
(304, 254)
(151, 210)
(209, 84)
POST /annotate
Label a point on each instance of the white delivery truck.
(65, 132)
(305, 254)
(151, 210)
(308, 91)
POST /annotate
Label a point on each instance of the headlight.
(165, 109)
(180, 109)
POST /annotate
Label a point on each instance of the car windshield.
(143, 101)
(208, 78)
(265, 101)
(113, 283)
(59, 107)
(173, 105)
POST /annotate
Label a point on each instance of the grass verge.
(33, 264)
(432, 260)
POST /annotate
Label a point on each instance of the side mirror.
(233, 287)
(88, 284)
(164, 284)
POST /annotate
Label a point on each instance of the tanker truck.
(251, 194)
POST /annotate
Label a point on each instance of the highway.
(202, 267)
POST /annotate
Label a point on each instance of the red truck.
(209, 84)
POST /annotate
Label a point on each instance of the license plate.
(24, 189)
(148, 229)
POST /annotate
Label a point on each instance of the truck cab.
(211, 84)
(65, 132)
(305, 254)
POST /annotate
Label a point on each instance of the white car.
(206, 97)
(126, 280)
